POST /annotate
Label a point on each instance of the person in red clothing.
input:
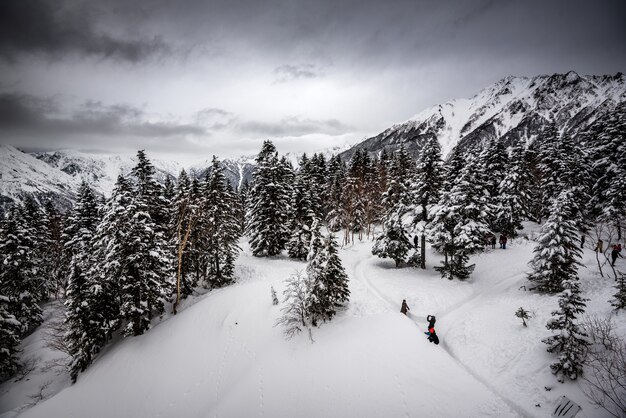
(503, 240)
(431, 334)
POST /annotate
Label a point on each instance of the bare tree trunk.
(182, 243)
(423, 251)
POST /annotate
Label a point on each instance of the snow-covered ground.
(223, 357)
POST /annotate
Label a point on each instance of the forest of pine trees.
(119, 262)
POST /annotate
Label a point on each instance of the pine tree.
(556, 255)
(511, 198)
(493, 163)
(10, 330)
(220, 228)
(329, 282)
(426, 189)
(83, 337)
(19, 280)
(460, 222)
(303, 213)
(268, 213)
(608, 152)
(335, 207)
(394, 242)
(111, 249)
(55, 262)
(151, 191)
(570, 341)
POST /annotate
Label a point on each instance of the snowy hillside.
(223, 356)
(514, 109)
(22, 174)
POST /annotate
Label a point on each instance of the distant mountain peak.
(513, 109)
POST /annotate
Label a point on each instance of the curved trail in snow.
(361, 276)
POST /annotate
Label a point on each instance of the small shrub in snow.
(296, 314)
(523, 314)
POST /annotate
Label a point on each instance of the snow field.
(223, 357)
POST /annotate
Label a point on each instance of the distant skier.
(431, 334)
(405, 308)
(503, 240)
(582, 241)
(415, 241)
(493, 241)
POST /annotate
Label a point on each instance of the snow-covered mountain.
(22, 174)
(513, 109)
(101, 171)
(237, 171)
(56, 175)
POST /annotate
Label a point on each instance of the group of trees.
(118, 261)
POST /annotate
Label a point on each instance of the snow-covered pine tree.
(268, 213)
(54, 257)
(460, 222)
(394, 241)
(328, 280)
(493, 162)
(336, 216)
(398, 196)
(220, 227)
(426, 189)
(151, 191)
(111, 249)
(82, 335)
(35, 220)
(608, 153)
(144, 280)
(19, 279)
(354, 195)
(302, 213)
(511, 199)
(557, 253)
(569, 342)
(10, 330)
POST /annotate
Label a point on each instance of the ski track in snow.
(360, 275)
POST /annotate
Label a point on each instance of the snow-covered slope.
(224, 357)
(22, 174)
(514, 109)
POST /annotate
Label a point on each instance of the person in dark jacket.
(405, 308)
(431, 334)
(614, 254)
(503, 240)
(493, 241)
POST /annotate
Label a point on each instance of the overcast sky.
(194, 78)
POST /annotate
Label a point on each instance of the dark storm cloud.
(55, 29)
(288, 72)
(35, 117)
